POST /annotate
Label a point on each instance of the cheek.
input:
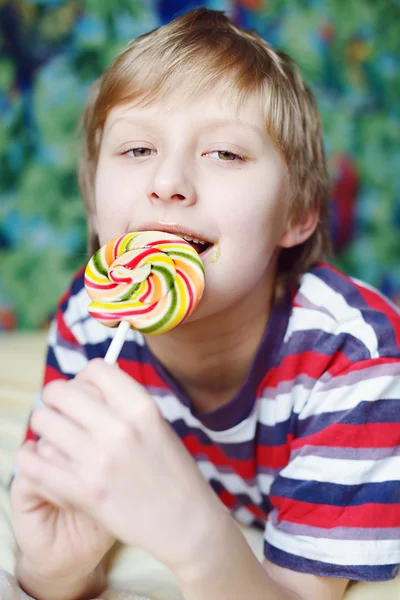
(256, 220)
(113, 205)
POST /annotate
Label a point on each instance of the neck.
(211, 358)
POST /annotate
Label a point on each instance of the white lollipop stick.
(115, 347)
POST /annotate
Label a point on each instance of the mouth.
(198, 242)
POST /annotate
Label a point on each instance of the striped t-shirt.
(309, 448)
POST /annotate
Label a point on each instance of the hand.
(54, 540)
(124, 465)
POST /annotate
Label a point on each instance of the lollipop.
(150, 281)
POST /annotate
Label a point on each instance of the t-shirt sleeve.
(66, 342)
(336, 505)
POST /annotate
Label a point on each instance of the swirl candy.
(150, 279)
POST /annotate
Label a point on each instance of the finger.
(52, 454)
(64, 435)
(122, 392)
(54, 483)
(79, 400)
(26, 494)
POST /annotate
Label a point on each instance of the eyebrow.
(210, 124)
(221, 122)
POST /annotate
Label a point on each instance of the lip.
(176, 229)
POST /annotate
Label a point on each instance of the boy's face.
(203, 168)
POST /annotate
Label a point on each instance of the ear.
(300, 231)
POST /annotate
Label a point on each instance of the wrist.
(43, 583)
(210, 549)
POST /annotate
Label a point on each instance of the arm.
(228, 569)
(42, 586)
(114, 447)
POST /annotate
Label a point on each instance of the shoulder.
(336, 312)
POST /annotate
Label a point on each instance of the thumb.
(120, 390)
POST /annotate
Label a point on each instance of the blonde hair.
(201, 50)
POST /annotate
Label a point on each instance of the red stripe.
(274, 457)
(364, 435)
(100, 286)
(189, 289)
(117, 245)
(327, 517)
(227, 498)
(64, 331)
(150, 287)
(143, 373)
(257, 512)
(372, 362)
(51, 374)
(108, 315)
(305, 363)
(244, 468)
(132, 264)
(29, 435)
(169, 242)
(64, 298)
(231, 502)
(271, 457)
(375, 301)
(68, 292)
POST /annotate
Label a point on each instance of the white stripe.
(349, 396)
(52, 334)
(345, 318)
(340, 552)
(38, 401)
(173, 410)
(281, 407)
(77, 307)
(244, 516)
(93, 332)
(70, 361)
(90, 332)
(344, 472)
(264, 483)
(326, 397)
(231, 481)
(306, 402)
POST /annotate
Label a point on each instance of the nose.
(171, 182)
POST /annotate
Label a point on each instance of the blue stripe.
(378, 411)
(334, 494)
(321, 342)
(379, 321)
(53, 362)
(322, 569)
(275, 436)
(241, 499)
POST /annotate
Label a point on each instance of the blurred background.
(52, 50)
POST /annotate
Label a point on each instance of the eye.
(225, 155)
(138, 152)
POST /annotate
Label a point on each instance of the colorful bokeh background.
(52, 50)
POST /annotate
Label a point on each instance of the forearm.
(43, 586)
(228, 569)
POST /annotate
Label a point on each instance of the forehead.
(216, 106)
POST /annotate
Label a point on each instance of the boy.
(283, 386)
